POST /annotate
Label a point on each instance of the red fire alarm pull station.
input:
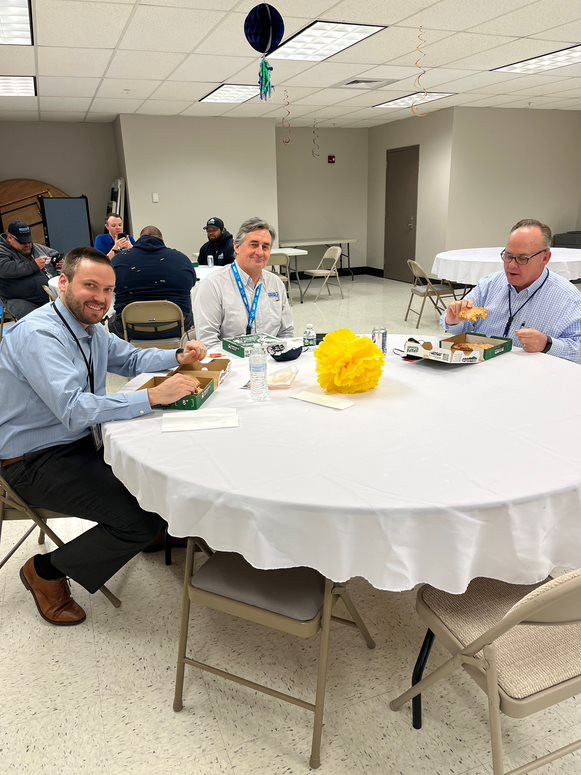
(331, 159)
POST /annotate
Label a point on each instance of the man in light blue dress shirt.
(53, 367)
(539, 310)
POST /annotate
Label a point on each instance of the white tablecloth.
(441, 474)
(472, 264)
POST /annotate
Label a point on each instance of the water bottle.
(258, 383)
(379, 337)
(210, 260)
(310, 336)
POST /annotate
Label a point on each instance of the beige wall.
(317, 199)
(77, 158)
(433, 134)
(199, 167)
(509, 164)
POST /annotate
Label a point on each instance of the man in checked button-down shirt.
(539, 310)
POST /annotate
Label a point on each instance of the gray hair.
(253, 224)
(545, 230)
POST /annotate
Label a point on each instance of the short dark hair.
(545, 230)
(151, 231)
(74, 257)
(113, 215)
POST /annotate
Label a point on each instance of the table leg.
(295, 269)
(347, 255)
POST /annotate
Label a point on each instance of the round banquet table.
(441, 474)
(472, 264)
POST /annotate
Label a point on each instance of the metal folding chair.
(149, 319)
(327, 268)
(426, 289)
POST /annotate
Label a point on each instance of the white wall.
(77, 158)
(509, 164)
(433, 133)
(199, 167)
(317, 199)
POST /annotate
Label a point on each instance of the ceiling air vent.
(365, 83)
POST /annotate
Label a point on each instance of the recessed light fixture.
(17, 86)
(566, 56)
(321, 40)
(419, 98)
(231, 92)
(15, 26)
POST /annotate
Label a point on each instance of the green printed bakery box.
(188, 402)
(498, 344)
(241, 345)
(217, 368)
(446, 354)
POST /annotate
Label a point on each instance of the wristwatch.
(547, 347)
(179, 351)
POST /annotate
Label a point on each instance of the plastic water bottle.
(210, 260)
(379, 337)
(258, 383)
(310, 336)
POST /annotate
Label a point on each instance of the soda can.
(379, 337)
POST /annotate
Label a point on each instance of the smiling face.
(90, 292)
(253, 252)
(525, 242)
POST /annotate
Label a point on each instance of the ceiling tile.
(388, 44)
(64, 103)
(283, 93)
(535, 18)
(51, 86)
(249, 109)
(332, 111)
(374, 11)
(327, 74)
(506, 54)
(127, 87)
(216, 69)
(207, 109)
(183, 90)
(19, 115)
(103, 118)
(308, 9)
(329, 96)
(492, 100)
(476, 81)
(217, 5)
(62, 22)
(143, 64)
(398, 72)
(508, 86)
(295, 111)
(229, 36)
(184, 27)
(565, 33)
(164, 107)
(18, 103)
(63, 115)
(463, 14)
(17, 60)
(283, 70)
(544, 89)
(456, 47)
(72, 61)
(373, 97)
(101, 105)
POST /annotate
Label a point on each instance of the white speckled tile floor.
(97, 699)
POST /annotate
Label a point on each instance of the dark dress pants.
(74, 479)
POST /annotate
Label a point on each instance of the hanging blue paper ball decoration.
(264, 28)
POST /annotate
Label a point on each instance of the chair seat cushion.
(293, 592)
(531, 657)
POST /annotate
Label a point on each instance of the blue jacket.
(104, 242)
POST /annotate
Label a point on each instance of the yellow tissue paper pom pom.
(347, 363)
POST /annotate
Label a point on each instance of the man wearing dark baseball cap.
(219, 249)
(25, 267)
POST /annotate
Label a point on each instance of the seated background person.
(539, 310)
(110, 243)
(25, 267)
(53, 367)
(242, 298)
(219, 245)
(152, 272)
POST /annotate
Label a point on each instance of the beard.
(80, 311)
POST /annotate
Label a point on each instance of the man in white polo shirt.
(242, 298)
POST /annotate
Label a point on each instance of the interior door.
(401, 203)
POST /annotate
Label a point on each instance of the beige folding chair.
(153, 317)
(426, 289)
(280, 264)
(50, 292)
(13, 507)
(327, 268)
(521, 644)
(297, 601)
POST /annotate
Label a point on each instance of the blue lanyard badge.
(251, 311)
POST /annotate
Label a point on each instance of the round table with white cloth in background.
(441, 474)
(472, 264)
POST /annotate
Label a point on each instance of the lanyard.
(251, 310)
(511, 314)
(88, 363)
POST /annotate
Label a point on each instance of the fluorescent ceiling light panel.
(17, 86)
(414, 99)
(231, 92)
(15, 27)
(566, 56)
(321, 40)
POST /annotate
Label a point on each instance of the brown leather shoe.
(53, 598)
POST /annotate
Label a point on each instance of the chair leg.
(179, 688)
(494, 710)
(315, 760)
(41, 537)
(308, 286)
(407, 312)
(339, 283)
(417, 677)
(436, 675)
(321, 288)
(421, 312)
(354, 614)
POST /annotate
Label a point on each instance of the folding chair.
(5, 317)
(327, 268)
(280, 264)
(297, 601)
(13, 507)
(519, 643)
(143, 320)
(50, 292)
(426, 289)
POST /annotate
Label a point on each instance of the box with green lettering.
(217, 368)
(241, 345)
(457, 349)
(496, 345)
(188, 402)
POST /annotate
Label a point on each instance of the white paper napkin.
(332, 402)
(200, 420)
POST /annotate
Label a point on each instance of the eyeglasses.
(521, 260)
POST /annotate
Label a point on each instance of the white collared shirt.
(220, 313)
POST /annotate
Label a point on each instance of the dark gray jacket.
(20, 277)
